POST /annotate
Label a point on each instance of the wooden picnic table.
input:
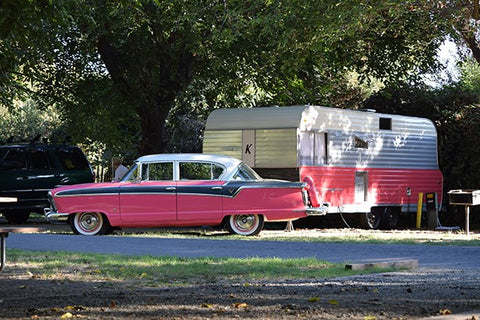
(4, 231)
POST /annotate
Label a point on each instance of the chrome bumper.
(318, 211)
(53, 215)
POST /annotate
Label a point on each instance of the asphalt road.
(428, 256)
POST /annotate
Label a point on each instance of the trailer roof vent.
(385, 123)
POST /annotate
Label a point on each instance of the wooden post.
(419, 210)
(467, 219)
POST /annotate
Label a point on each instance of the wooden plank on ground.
(401, 264)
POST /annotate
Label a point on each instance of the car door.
(149, 200)
(199, 191)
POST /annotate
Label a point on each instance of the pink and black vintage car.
(180, 190)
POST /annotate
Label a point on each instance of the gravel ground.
(397, 295)
(411, 294)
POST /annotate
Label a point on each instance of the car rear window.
(72, 159)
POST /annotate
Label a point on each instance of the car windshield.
(132, 174)
(245, 173)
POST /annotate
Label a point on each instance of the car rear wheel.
(89, 223)
(245, 224)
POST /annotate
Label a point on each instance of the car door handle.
(216, 188)
(171, 188)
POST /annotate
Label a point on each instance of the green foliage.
(130, 76)
(26, 120)
(148, 61)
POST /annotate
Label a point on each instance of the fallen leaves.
(33, 276)
(332, 302)
(68, 312)
(444, 312)
(240, 305)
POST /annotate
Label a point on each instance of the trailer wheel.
(371, 220)
(390, 218)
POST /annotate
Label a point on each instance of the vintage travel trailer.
(354, 161)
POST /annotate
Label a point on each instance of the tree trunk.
(153, 120)
(468, 34)
(472, 44)
(152, 110)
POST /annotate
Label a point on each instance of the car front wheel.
(245, 224)
(89, 223)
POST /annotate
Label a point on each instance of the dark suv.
(29, 171)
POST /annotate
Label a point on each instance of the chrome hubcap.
(89, 221)
(245, 222)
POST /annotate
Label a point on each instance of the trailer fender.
(312, 191)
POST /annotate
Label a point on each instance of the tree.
(466, 17)
(150, 56)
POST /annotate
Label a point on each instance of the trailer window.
(385, 124)
(360, 144)
(306, 148)
(312, 148)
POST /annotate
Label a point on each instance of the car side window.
(200, 171)
(14, 160)
(157, 171)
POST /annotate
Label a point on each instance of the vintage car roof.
(228, 161)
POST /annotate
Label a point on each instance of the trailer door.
(361, 186)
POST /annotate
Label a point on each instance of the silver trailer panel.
(288, 137)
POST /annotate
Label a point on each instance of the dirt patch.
(397, 295)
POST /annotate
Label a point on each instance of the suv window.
(72, 159)
(14, 160)
(40, 159)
